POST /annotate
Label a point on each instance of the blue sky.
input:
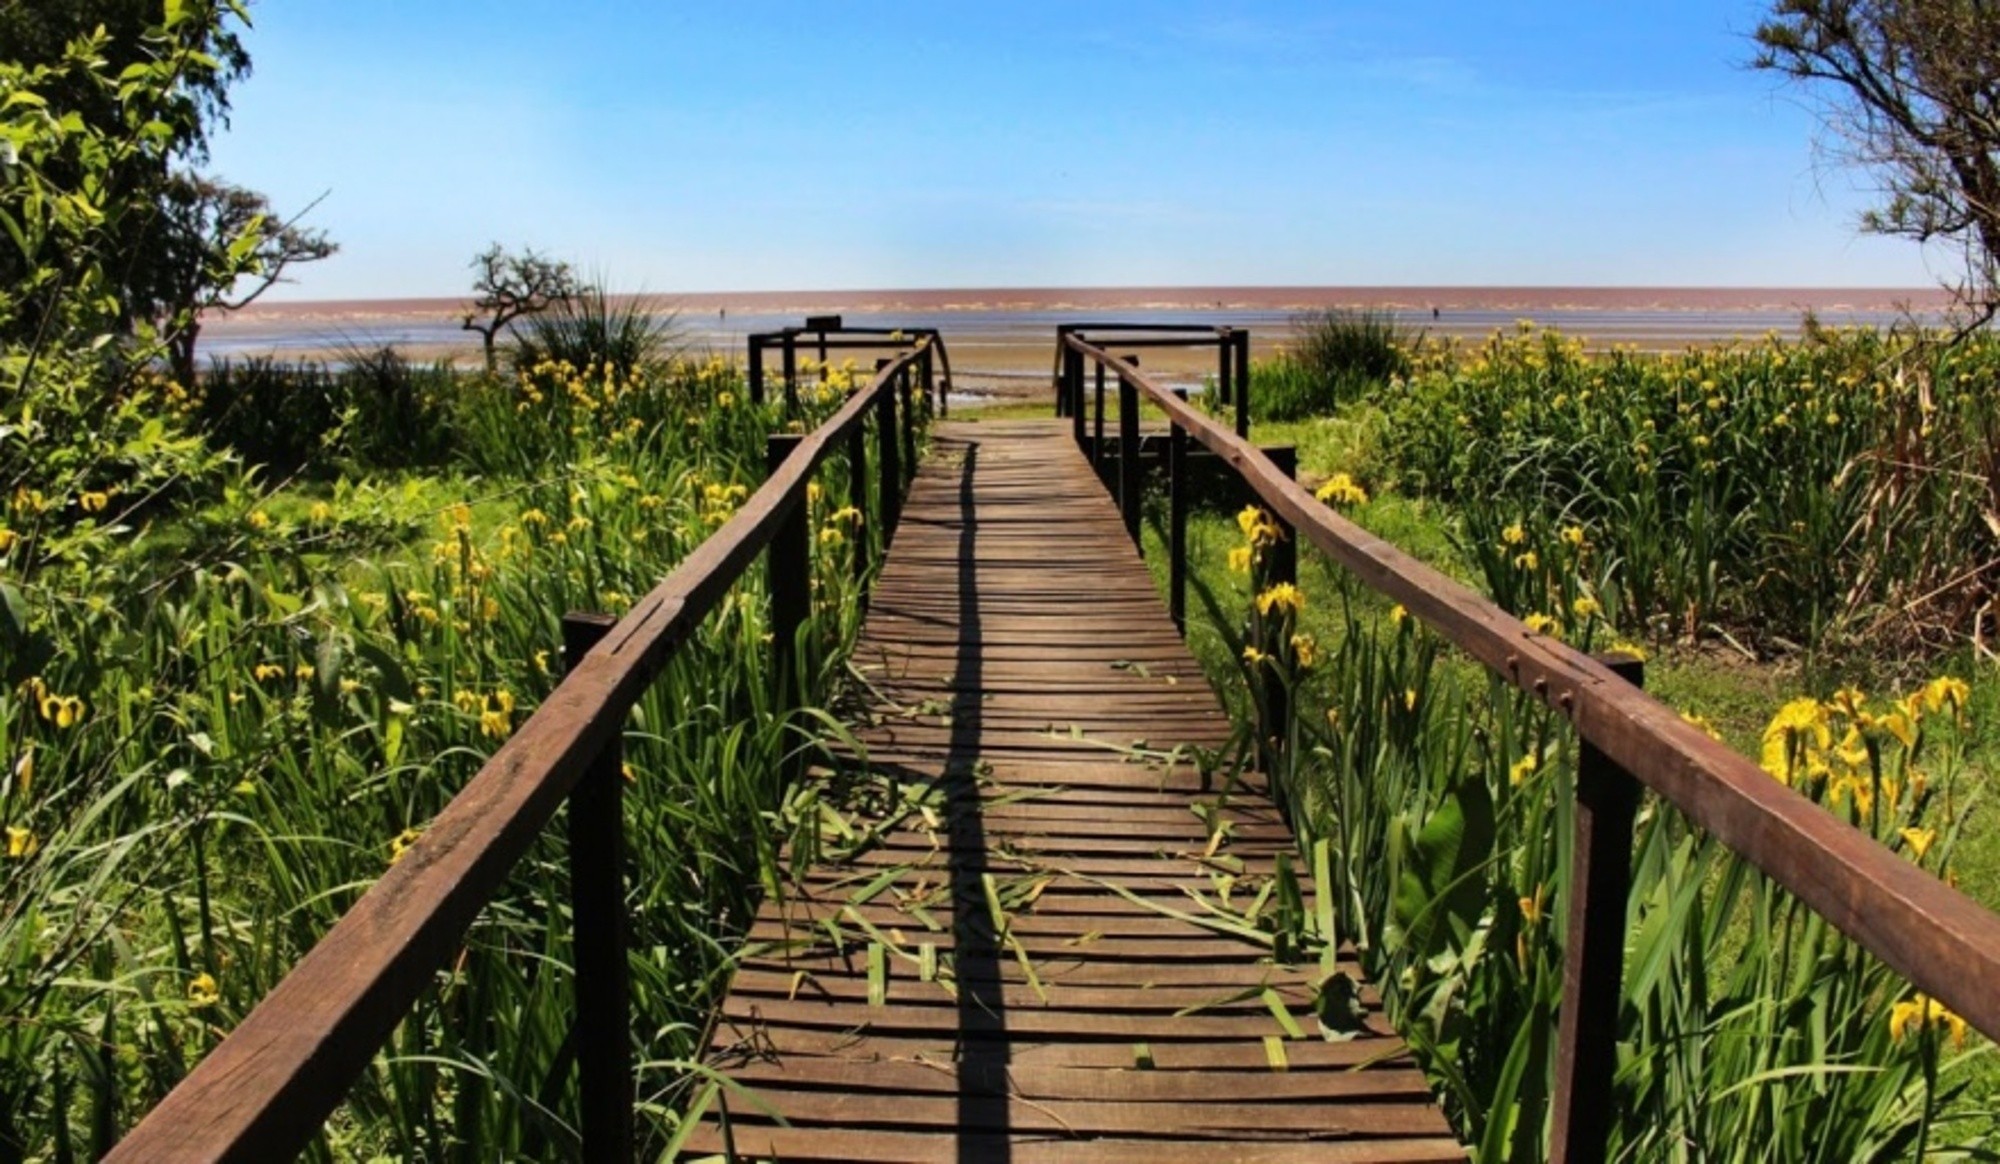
(696, 146)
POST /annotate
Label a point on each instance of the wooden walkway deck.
(1011, 970)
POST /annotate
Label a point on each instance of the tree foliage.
(511, 286)
(1910, 91)
(222, 247)
(105, 106)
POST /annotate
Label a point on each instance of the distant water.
(984, 340)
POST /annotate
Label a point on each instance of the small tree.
(221, 249)
(511, 286)
(1910, 90)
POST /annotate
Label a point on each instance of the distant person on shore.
(1434, 314)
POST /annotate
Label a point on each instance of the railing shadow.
(982, 1013)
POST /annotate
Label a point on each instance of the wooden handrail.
(264, 1091)
(1936, 937)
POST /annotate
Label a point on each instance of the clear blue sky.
(699, 145)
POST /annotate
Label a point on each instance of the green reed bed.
(210, 753)
(1750, 1029)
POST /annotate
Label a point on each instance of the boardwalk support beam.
(887, 450)
(1177, 515)
(1128, 455)
(597, 908)
(1281, 565)
(1243, 384)
(1607, 802)
(790, 574)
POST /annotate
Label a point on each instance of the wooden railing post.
(790, 580)
(1242, 384)
(756, 369)
(890, 473)
(1073, 386)
(1097, 440)
(791, 375)
(597, 910)
(907, 399)
(1177, 515)
(1128, 455)
(1607, 802)
(857, 496)
(1281, 565)
(1225, 365)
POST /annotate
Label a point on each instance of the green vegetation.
(1335, 358)
(1751, 1029)
(256, 630)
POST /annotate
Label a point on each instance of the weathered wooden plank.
(1024, 716)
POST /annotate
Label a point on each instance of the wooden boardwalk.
(1030, 959)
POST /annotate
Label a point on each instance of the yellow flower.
(1924, 1011)
(259, 519)
(1409, 699)
(1258, 527)
(1513, 535)
(542, 662)
(21, 843)
(1702, 723)
(303, 672)
(203, 992)
(1573, 535)
(1919, 840)
(1800, 728)
(1527, 561)
(1938, 694)
(1239, 560)
(1253, 656)
(813, 492)
(401, 844)
(496, 716)
(322, 513)
(1522, 768)
(1340, 489)
(265, 672)
(1397, 614)
(725, 400)
(831, 536)
(846, 513)
(7, 539)
(94, 502)
(1305, 649)
(1586, 608)
(1540, 624)
(64, 711)
(1626, 647)
(1284, 598)
(1531, 907)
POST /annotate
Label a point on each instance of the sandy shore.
(1001, 339)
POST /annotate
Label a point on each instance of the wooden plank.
(830, 1144)
(988, 687)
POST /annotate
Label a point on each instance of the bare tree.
(1910, 91)
(511, 286)
(209, 226)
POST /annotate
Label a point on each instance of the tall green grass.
(1836, 490)
(1749, 1029)
(209, 754)
(1332, 358)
